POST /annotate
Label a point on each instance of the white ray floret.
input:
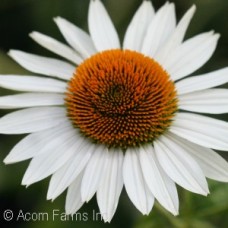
(176, 37)
(213, 101)
(201, 130)
(212, 164)
(111, 185)
(76, 37)
(32, 84)
(180, 166)
(48, 161)
(73, 198)
(162, 187)
(31, 100)
(31, 120)
(191, 55)
(101, 28)
(62, 178)
(138, 27)
(93, 173)
(160, 28)
(135, 183)
(34, 144)
(56, 47)
(204, 81)
(43, 65)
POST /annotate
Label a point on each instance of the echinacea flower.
(117, 115)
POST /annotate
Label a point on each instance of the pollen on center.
(121, 98)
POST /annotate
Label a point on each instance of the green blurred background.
(20, 17)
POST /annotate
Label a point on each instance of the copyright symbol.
(8, 215)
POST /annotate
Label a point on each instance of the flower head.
(114, 116)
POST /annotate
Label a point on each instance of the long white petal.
(31, 100)
(176, 38)
(212, 164)
(204, 81)
(135, 183)
(111, 185)
(93, 173)
(212, 101)
(32, 84)
(159, 29)
(34, 144)
(162, 187)
(180, 166)
(101, 28)
(56, 47)
(32, 120)
(138, 26)
(191, 55)
(43, 65)
(62, 178)
(201, 130)
(76, 37)
(73, 198)
(56, 154)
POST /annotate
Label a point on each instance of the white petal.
(212, 164)
(31, 100)
(159, 29)
(43, 65)
(201, 130)
(76, 37)
(138, 26)
(180, 166)
(61, 179)
(177, 36)
(56, 154)
(134, 182)
(34, 144)
(101, 27)
(162, 187)
(191, 55)
(32, 120)
(32, 83)
(111, 185)
(204, 81)
(93, 173)
(73, 198)
(56, 47)
(212, 101)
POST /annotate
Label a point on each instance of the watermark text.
(54, 215)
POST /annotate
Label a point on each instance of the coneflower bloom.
(115, 115)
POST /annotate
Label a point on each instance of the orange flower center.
(121, 98)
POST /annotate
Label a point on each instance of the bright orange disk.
(121, 98)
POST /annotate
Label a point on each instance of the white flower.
(121, 118)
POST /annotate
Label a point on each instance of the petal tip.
(217, 36)
(176, 213)
(49, 196)
(26, 181)
(33, 34)
(7, 160)
(57, 19)
(147, 212)
(11, 52)
(10, 160)
(106, 220)
(204, 192)
(25, 184)
(193, 8)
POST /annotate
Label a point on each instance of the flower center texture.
(121, 98)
